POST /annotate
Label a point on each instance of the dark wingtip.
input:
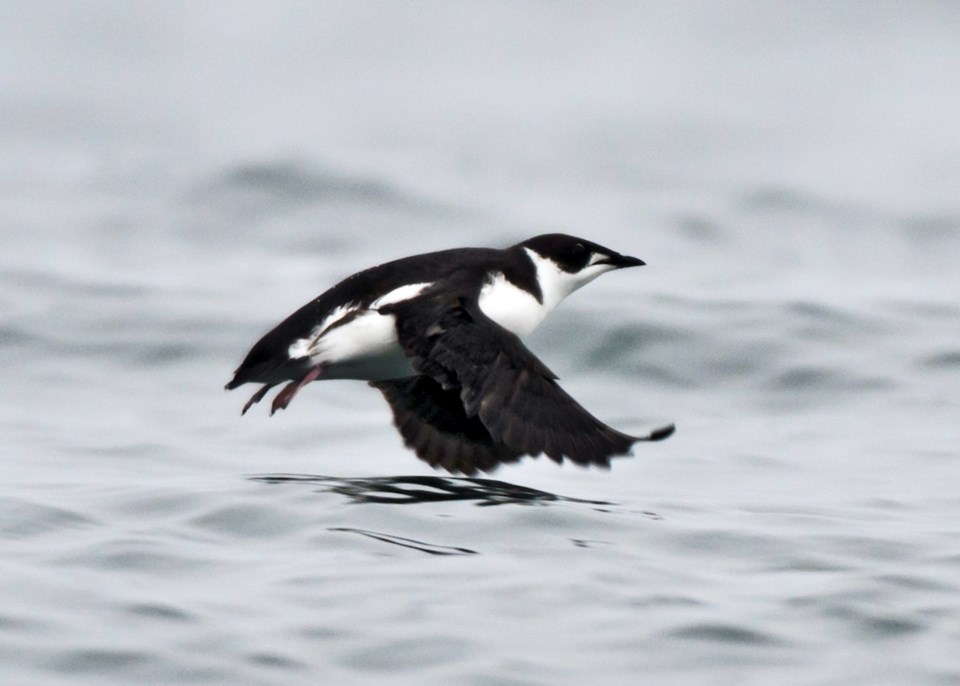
(661, 433)
(236, 381)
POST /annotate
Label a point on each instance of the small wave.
(415, 654)
(12, 336)
(134, 556)
(274, 185)
(251, 521)
(802, 378)
(817, 321)
(947, 359)
(159, 611)
(703, 229)
(101, 660)
(275, 661)
(23, 519)
(727, 633)
(934, 228)
(791, 201)
(873, 624)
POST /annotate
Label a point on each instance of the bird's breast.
(513, 308)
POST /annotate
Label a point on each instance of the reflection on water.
(404, 490)
(429, 548)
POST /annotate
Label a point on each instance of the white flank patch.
(366, 347)
(301, 347)
(411, 290)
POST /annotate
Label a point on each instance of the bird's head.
(565, 263)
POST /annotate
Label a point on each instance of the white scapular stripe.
(411, 290)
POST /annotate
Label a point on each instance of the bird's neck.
(555, 283)
(516, 308)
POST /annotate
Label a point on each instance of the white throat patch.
(557, 284)
(517, 310)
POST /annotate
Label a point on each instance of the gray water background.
(175, 177)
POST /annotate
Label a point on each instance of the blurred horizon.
(855, 102)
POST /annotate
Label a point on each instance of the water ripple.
(101, 660)
(726, 633)
(429, 548)
(19, 518)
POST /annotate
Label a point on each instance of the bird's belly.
(365, 348)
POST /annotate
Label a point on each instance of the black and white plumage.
(439, 335)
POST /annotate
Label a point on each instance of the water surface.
(176, 178)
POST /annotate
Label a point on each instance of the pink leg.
(257, 397)
(286, 395)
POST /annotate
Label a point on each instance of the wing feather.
(502, 387)
(432, 422)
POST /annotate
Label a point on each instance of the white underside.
(366, 347)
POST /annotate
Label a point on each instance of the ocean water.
(177, 177)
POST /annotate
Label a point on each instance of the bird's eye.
(579, 249)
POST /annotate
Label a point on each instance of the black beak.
(622, 261)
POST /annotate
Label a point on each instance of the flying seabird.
(439, 335)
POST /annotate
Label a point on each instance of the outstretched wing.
(500, 383)
(434, 424)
